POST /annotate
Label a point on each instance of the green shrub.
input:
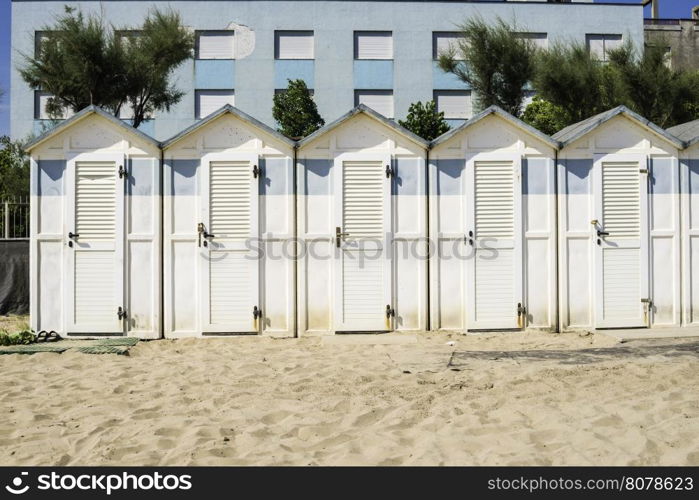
(23, 337)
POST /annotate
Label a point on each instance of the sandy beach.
(307, 401)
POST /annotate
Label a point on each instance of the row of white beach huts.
(231, 228)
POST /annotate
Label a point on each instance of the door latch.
(390, 312)
(602, 233)
(201, 230)
(256, 313)
(121, 313)
(72, 236)
(256, 171)
(123, 174)
(339, 235)
(389, 172)
(470, 238)
(521, 315)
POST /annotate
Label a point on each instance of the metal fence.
(14, 218)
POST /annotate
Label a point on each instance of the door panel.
(494, 270)
(230, 268)
(621, 252)
(95, 251)
(363, 226)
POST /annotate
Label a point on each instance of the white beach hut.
(619, 223)
(492, 223)
(362, 227)
(95, 229)
(228, 229)
(689, 171)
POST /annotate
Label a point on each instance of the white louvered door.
(229, 263)
(621, 256)
(94, 238)
(494, 237)
(363, 278)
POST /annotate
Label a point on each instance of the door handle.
(339, 235)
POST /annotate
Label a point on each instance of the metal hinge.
(643, 170)
(521, 314)
(121, 313)
(256, 171)
(390, 312)
(389, 172)
(122, 173)
(256, 313)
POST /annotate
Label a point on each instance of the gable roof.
(688, 132)
(224, 110)
(90, 110)
(363, 109)
(495, 110)
(573, 132)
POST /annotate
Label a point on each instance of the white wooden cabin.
(492, 225)
(362, 227)
(95, 229)
(228, 229)
(619, 223)
(689, 172)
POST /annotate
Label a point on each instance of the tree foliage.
(569, 77)
(82, 61)
(295, 111)
(14, 169)
(494, 61)
(425, 121)
(665, 96)
(545, 116)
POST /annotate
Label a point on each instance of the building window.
(41, 99)
(293, 45)
(455, 104)
(40, 37)
(380, 101)
(600, 45)
(373, 45)
(215, 45)
(539, 40)
(208, 101)
(444, 41)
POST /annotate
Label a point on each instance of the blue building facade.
(380, 53)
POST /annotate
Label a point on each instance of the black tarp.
(14, 277)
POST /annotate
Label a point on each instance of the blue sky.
(668, 8)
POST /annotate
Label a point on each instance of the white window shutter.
(539, 40)
(595, 44)
(294, 45)
(208, 101)
(216, 45)
(373, 45)
(41, 99)
(611, 42)
(380, 101)
(444, 42)
(455, 104)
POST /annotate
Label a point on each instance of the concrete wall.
(682, 39)
(333, 74)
